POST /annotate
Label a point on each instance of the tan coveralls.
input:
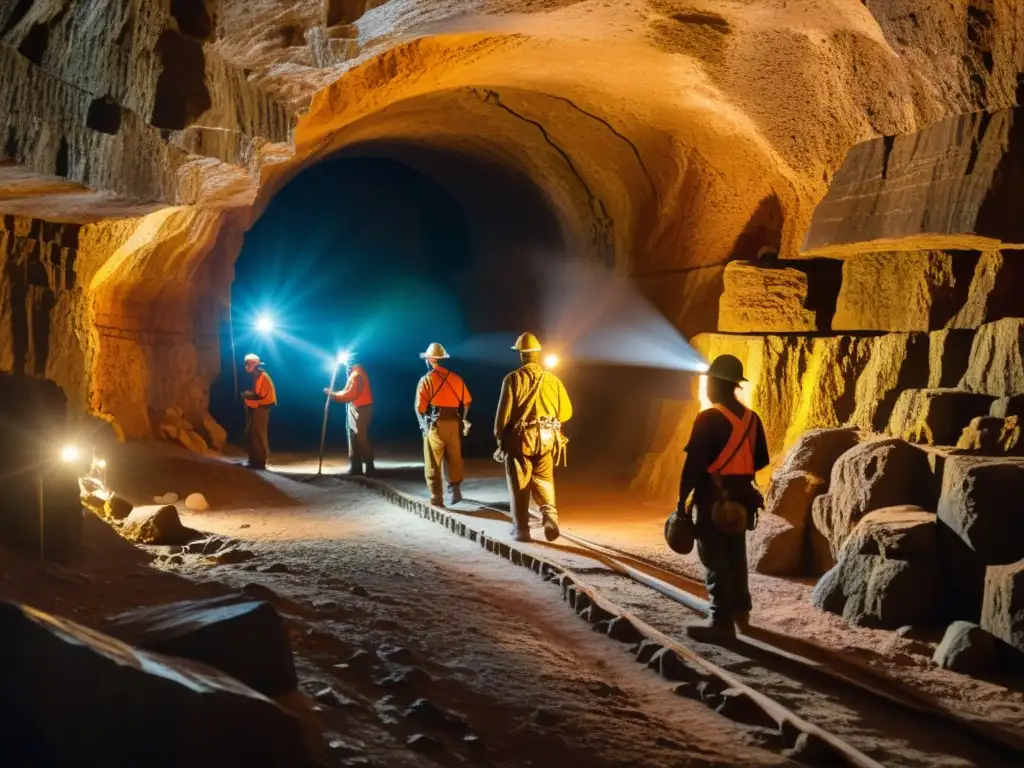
(442, 443)
(529, 470)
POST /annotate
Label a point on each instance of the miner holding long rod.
(359, 398)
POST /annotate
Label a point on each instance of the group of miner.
(718, 498)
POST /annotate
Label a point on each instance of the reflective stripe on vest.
(736, 459)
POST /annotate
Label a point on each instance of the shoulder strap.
(736, 440)
(433, 392)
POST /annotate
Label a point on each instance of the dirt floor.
(438, 618)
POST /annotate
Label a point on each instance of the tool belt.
(542, 435)
(441, 413)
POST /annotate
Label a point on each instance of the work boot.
(715, 630)
(550, 517)
(370, 468)
(456, 492)
(437, 501)
(521, 534)
(742, 620)
(356, 469)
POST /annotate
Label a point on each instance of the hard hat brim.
(425, 356)
(531, 349)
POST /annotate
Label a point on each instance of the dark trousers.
(257, 443)
(530, 476)
(725, 563)
(360, 451)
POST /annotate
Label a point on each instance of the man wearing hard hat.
(727, 447)
(528, 427)
(442, 401)
(359, 397)
(258, 402)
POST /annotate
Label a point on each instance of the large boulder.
(996, 365)
(913, 291)
(239, 636)
(953, 182)
(993, 292)
(155, 524)
(936, 416)
(879, 592)
(764, 299)
(77, 697)
(966, 648)
(216, 435)
(779, 545)
(901, 533)
(872, 475)
(1003, 611)
(980, 503)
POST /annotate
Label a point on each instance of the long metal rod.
(42, 534)
(323, 427)
(231, 335)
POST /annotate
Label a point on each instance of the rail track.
(816, 706)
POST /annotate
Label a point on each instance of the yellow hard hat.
(435, 352)
(527, 343)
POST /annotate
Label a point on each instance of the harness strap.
(740, 430)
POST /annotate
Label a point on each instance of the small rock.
(196, 502)
(405, 678)
(341, 747)
(602, 690)
(327, 606)
(276, 568)
(471, 740)
(419, 742)
(156, 525)
(395, 653)
(332, 698)
(812, 750)
(359, 591)
(167, 498)
(966, 648)
(429, 714)
(243, 526)
(207, 545)
(232, 555)
(360, 661)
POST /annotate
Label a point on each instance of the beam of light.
(551, 360)
(265, 323)
(600, 316)
(69, 453)
(342, 357)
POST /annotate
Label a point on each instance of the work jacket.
(357, 390)
(516, 390)
(441, 388)
(263, 388)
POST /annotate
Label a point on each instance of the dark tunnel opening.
(381, 251)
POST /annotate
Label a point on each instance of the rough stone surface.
(996, 364)
(216, 435)
(1002, 614)
(949, 353)
(966, 648)
(936, 416)
(948, 185)
(157, 525)
(901, 533)
(980, 503)
(117, 507)
(107, 687)
(243, 638)
(1008, 406)
(991, 436)
(875, 591)
(873, 475)
(916, 291)
(764, 299)
(993, 293)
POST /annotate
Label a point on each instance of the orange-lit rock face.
(665, 137)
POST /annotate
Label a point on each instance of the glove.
(247, 395)
(327, 392)
(465, 428)
(499, 455)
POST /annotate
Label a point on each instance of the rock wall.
(168, 127)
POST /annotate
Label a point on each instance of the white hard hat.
(435, 352)
(251, 358)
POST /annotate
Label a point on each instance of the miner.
(528, 427)
(359, 398)
(442, 403)
(727, 447)
(258, 402)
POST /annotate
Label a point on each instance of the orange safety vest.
(737, 458)
(263, 388)
(357, 389)
(443, 389)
